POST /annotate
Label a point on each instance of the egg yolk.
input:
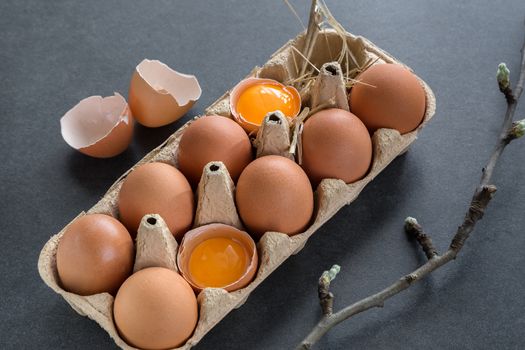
(260, 99)
(218, 262)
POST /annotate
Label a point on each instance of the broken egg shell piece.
(159, 95)
(200, 234)
(100, 127)
(236, 92)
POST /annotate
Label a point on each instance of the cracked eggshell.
(158, 95)
(97, 126)
(200, 234)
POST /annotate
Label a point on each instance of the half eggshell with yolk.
(159, 95)
(100, 127)
(258, 101)
(205, 270)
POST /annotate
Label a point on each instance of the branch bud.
(332, 273)
(503, 77)
(517, 130)
(410, 221)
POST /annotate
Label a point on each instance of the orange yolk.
(260, 99)
(218, 262)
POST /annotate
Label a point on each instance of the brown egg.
(336, 145)
(155, 309)
(218, 256)
(157, 188)
(274, 194)
(213, 138)
(390, 96)
(94, 255)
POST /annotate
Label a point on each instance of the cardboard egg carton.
(156, 247)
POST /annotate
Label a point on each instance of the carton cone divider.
(329, 88)
(215, 197)
(273, 137)
(155, 245)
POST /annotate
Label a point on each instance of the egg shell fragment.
(100, 127)
(155, 308)
(335, 145)
(200, 234)
(159, 95)
(388, 96)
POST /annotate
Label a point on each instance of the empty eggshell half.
(158, 95)
(195, 237)
(97, 126)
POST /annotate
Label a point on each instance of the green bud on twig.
(332, 273)
(517, 130)
(503, 76)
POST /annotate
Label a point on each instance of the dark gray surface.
(55, 53)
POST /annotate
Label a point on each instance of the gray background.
(54, 53)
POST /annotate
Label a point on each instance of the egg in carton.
(156, 246)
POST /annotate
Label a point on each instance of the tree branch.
(414, 229)
(480, 200)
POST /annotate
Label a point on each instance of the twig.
(414, 229)
(326, 298)
(480, 200)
